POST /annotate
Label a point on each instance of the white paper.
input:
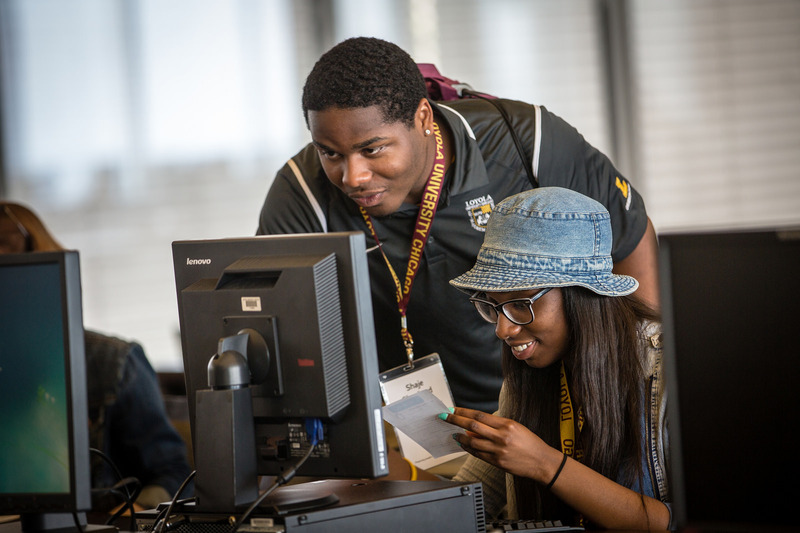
(417, 417)
(427, 374)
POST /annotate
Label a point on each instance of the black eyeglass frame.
(476, 301)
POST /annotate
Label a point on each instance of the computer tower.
(363, 505)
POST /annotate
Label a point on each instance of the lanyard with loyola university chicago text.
(422, 229)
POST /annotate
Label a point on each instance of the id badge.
(404, 380)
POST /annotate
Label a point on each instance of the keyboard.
(543, 526)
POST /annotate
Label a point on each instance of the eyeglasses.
(519, 311)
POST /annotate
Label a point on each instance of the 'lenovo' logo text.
(198, 261)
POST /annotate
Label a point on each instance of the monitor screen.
(44, 440)
(307, 297)
(730, 309)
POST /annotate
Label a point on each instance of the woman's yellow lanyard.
(568, 438)
(427, 210)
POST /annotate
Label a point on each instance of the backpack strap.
(441, 88)
(517, 142)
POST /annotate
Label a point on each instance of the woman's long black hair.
(605, 377)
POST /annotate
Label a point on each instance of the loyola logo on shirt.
(479, 211)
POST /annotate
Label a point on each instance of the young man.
(376, 141)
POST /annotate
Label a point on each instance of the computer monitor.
(307, 297)
(44, 429)
(730, 302)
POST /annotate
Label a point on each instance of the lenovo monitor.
(304, 302)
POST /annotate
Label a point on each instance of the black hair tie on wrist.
(558, 472)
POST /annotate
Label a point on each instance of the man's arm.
(642, 264)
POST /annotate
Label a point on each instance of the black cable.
(128, 496)
(161, 527)
(108, 460)
(279, 480)
(161, 514)
(129, 500)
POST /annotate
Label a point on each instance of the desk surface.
(12, 524)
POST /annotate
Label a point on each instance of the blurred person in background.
(128, 422)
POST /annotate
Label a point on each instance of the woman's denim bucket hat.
(546, 237)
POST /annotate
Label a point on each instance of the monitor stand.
(298, 498)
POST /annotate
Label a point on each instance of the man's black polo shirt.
(487, 168)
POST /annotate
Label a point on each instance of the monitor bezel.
(35, 506)
(725, 258)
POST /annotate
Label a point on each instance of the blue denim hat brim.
(494, 277)
(546, 237)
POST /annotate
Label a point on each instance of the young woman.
(580, 431)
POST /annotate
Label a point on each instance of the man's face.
(378, 165)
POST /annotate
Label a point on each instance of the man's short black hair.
(363, 72)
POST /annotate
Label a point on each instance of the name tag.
(399, 382)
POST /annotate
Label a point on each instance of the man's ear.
(423, 117)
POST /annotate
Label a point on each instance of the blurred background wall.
(128, 124)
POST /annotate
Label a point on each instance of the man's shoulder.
(478, 106)
(480, 113)
(488, 123)
(307, 157)
(305, 166)
(105, 347)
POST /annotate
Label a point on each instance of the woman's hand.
(517, 450)
(504, 443)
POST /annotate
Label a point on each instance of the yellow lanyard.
(568, 438)
(422, 229)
